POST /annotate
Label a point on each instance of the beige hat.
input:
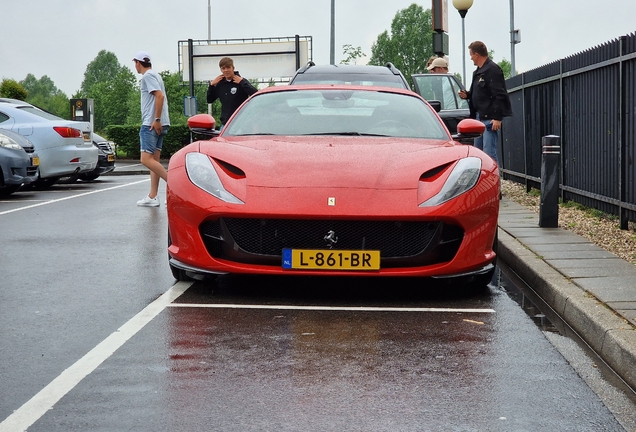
(438, 62)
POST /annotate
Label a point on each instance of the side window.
(3, 117)
(424, 88)
(453, 98)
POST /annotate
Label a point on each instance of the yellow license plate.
(35, 161)
(326, 259)
(111, 158)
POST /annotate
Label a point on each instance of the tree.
(176, 91)
(352, 54)
(505, 65)
(110, 85)
(12, 89)
(44, 94)
(410, 43)
(105, 67)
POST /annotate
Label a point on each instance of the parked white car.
(65, 147)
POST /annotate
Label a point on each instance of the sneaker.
(148, 202)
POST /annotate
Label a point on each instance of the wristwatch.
(158, 119)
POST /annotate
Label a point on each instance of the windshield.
(336, 112)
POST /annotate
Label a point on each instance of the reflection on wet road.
(94, 345)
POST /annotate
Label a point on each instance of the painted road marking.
(39, 404)
(70, 197)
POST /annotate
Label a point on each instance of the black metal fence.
(589, 101)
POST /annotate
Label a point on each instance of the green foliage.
(176, 92)
(127, 139)
(104, 68)
(506, 68)
(12, 89)
(44, 94)
(352, 54)
(410, 44)
(505, 65)
(110, 85)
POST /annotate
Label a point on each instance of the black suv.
(443, 88)
(385, 76)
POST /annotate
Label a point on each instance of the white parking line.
(328, 308)
(71, 197)
(39, 404)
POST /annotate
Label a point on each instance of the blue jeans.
(488, 141)
(150, 141)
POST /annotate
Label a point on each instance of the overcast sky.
(58, 38)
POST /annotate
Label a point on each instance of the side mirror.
(437, 105)
(203, 124)
(468, 130)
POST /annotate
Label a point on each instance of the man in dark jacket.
(487, 98)
(230, 88)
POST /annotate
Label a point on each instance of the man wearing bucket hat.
(155, 122)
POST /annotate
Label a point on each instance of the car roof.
(13, 101)
(311, 67)
(343, 87)
(388, 70)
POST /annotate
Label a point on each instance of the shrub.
(127, 139)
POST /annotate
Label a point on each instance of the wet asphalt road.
(96, 336)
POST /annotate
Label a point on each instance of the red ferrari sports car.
(333, 180)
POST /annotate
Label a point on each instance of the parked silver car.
(18, 162)
(65, 147)
(106, 162)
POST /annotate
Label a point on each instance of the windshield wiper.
(345, 134)
(257, 133)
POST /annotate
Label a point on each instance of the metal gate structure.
(589, 101)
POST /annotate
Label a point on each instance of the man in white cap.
(155, 122)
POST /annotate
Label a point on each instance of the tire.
(484, 281)
(8, 190)
(45, 183)
(179, 274)
(89, 176)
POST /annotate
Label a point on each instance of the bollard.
(550, 161)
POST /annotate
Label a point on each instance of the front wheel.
(179, 274)
(7, 190)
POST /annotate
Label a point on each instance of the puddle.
(507, 285)
(549, 321)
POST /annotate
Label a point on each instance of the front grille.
(401, 243)
(105, 147)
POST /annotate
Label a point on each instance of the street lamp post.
(515, 38)
(462, 7)
(332, 53)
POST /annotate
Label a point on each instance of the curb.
(610, 335)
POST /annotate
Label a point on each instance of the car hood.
(351, 162)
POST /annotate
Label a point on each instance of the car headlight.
(7, 142)
(463, 178)
(202, 174)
